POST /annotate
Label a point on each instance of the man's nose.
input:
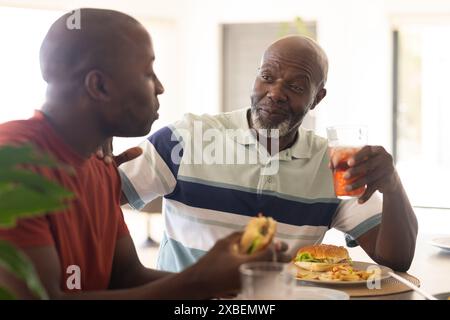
(276, 92)
(159, 86)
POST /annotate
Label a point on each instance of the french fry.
(341, 272)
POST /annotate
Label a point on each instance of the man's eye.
(266, 77)
(296, 88)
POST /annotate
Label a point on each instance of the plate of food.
(329, 264)
(442, 243)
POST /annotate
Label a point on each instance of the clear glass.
(267, 281)
(343, 143)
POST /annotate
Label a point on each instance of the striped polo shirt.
(214, 176)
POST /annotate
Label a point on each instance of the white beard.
(282, 128)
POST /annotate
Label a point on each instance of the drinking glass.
(343, 143)
(267, 280)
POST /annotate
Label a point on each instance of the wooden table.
(430, 265)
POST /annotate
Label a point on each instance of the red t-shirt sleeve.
(29, 232)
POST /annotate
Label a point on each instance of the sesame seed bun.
(328, 256)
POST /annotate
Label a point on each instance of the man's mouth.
(273, 113)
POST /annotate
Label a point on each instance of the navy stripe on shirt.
(164, 142)
(250, 204)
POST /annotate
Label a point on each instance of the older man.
(101, 83)
(208, 193)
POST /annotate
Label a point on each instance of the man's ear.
(97, 85)
(319, 96)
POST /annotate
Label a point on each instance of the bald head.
(295, 48)
(104, 38)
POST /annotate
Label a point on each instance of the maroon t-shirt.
(85, 234)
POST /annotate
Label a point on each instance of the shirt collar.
(243, 133)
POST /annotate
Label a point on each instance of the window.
(422, 112)
(22, 87)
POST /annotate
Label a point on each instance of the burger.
(322, 257)
(258, 234)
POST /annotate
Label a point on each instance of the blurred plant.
(24, 193)
(298, 26)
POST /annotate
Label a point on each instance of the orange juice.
(339, 157)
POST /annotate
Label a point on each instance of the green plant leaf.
(301, 27)
(6, 295)
(284, 29)
(25, 193)
(18, 264)
(11, 156)
(297, 26)
(22, 201)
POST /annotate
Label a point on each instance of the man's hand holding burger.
(218, 271)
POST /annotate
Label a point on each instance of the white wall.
(356, 34)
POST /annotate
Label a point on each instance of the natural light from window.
(22, 87)
(423, 130)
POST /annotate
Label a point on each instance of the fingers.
(107, 147)
(282, 257)
(234, 237)
(335, 157)
(280, 251)
(267, 254)
(99, 153)
(367, 179)
(280, 246)
(127, 155)
(108, 159)
(372, 166)
(105, 151)
(108, 150)
(367, 194)
(363, 168)
(274, 252)
(231, 241)
(362, 155)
